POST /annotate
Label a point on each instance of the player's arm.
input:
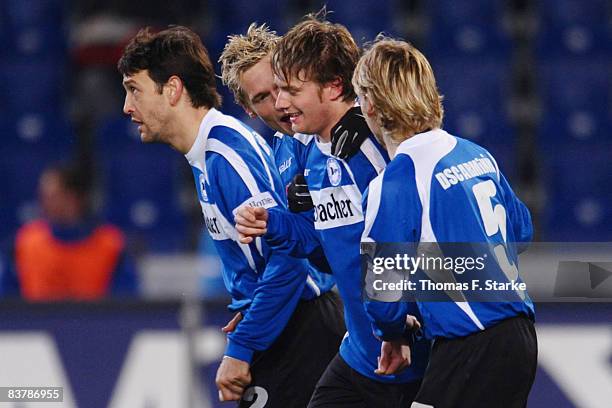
(392, 215)
(518, 214)
(280, 285)
(290, 233)
(293, 233)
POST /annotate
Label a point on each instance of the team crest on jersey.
(334, 171)
(202, 187)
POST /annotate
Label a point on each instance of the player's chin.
(286, 128)
(148, 137)
(300, 127)
(144, 138)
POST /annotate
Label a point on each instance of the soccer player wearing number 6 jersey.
(439, 188)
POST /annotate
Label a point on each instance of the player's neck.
(394, 139)
(187, 128)
(337, 111)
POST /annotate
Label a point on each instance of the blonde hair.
(241, 53)
(401, 86)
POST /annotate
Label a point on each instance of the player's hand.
(394, 357)
(298, 195)
(231, 325)
(349, 133)
(412, 323)
(251, 222)
(233, 377)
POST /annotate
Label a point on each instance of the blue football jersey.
(336, 224)
(233, 166)
(443, 189)
(290, 155)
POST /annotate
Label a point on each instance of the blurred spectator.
(68, 254)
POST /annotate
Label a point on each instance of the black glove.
(298, 195)
(349, 133)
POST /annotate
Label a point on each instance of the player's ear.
(367, 108)
(249, 112)
(335, 89)
(174, 89)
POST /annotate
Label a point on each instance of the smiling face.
(307, 104)
(257, 84)
(147, 107)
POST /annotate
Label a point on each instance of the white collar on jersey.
(324, 147)
(422, 138)
(211, 117)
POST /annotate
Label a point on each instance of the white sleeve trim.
(368, 148)
(374, 196)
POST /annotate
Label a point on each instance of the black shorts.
(341, 386)
(285, 375)
(492, 368)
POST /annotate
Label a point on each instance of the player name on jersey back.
(465, 171)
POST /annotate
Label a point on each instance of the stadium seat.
(34, 28)
(574, 27)
(475, 97)
(468, 28)
(234, 17)
(579, 196)
(32, 85)
(141, 186)
(241, 13)
(36, 129)
(380, 17)
(117, 131)
(576, 95)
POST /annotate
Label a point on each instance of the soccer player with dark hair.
(313, 65)
(273, 352)
(442, 189)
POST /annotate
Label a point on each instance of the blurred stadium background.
(531, 80)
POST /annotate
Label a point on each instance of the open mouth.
(293, 116)
(285, 119)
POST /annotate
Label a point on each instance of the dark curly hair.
(174, 51)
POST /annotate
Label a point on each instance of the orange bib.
(49, 269)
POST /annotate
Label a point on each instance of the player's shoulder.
(399, 177)
(468, 150)
(228, 136)
(227, 129)
(371, 156)
(470, 146)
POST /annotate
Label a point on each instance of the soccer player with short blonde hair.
(319, 324)
(398, 80)
(445, 192)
